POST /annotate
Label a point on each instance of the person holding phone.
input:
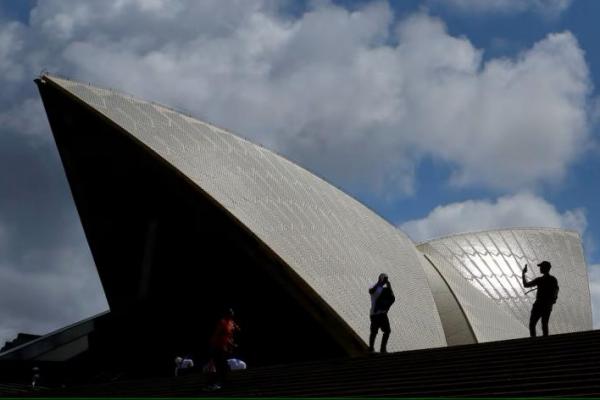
(547, 293)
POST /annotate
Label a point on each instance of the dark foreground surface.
(560, 365)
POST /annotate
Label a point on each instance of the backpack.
(385, 300)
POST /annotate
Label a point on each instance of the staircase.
(559, 365)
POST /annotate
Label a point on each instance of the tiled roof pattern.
(334, 243)
(487, 321)
(491, 263)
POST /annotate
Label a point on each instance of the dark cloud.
(47, 276)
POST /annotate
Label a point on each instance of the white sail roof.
(334, 243)
(483, 271)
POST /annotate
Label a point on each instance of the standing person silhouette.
(221, 347)
(547, 293)
(382, 298)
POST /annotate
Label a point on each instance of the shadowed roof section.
(334, 245)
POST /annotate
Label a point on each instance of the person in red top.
(222, 338)
(222, 345)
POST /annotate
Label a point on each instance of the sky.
(442, 116)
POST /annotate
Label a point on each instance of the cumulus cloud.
(11, 38)
(507, 123)
(520, 210)
(48, 287)
(26, 117)
(47, 276)
(353, 95)
(547, 8)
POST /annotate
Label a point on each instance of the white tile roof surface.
(484, 272)
(334, 243)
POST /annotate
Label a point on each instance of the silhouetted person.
(35, 377)
(382, 298)
(221, 347)
(547, 293)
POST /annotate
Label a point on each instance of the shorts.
(380, 321)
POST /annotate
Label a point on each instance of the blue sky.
(441, 115)
(505, 35)
(517, 32)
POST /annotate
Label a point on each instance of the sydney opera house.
(184, 218)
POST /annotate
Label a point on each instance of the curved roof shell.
(333, 243)
(483, 270)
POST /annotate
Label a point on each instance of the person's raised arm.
(373, 288)
(525, 282)
(389, 285)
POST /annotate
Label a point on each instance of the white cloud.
(354, 96)
(47, 288)
(547, 8)
(520, 210)
(11, 42)
(26, 117)
(508, 123)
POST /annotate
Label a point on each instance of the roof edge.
(53, 333)
(519, 228)
(188, 114)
